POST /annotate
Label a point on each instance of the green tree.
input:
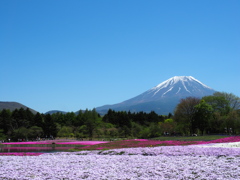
(59, 118)
(2, 135)
(185, 113)
(233, 100)
(79, 121)
(219, 104)
(203, 113)
(224, 106)
(21, 118)
(20, 133)
(153, 117)
(49, 127)
(82, 131)
(113, 132)
(136, 129)
(91, 121)
(216, 123)
(29, 117)
(145, 133)
(69, 118)
(237, 121)
(35, 132)
(169, 126)
(6, 121)
(124, 131)
(231, 122)
(38, 120)
(65, 131)
(155, 130)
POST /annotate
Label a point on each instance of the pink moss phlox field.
(56, 142)
(153, 143)
(163, 162)
(20, 154)
(138, 140)
(226, 140)
(25, 143)
(139, 143)
(83, 142)
(137, 163)
(34, 148)
(142, 142)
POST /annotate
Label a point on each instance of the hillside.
(162, 98)
(14, 105)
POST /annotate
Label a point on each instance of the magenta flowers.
(20, 154)
(165, 162)
(83, 142)
(61, 145)
(154, 143)
(45, 146)
(69, 142)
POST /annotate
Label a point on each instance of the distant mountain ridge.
(14, 105)
(55, 111)
(164, 97)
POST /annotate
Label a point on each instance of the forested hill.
(14, 105)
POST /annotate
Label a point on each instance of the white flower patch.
(225, 145)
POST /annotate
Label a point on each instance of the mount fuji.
(162, 98)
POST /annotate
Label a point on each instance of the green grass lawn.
(190, 138)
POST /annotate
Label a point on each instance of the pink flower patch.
(57, 142)
(83, 142)
(20, 154)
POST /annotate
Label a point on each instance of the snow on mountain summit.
(164, 97)
(184, 85)
(177, 86)
(176, 79)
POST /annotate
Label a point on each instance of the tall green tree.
(65, 131)
(35, 132)
(233, 100)
(49, 127)
(185, 113)
(59, 118)
(38, 120)
(79, 120)
(168, 126)
(232, 123)
(6, 121)
(203, 113)
(69, 118)
(224, 106)
(29, 117)
(21, 133)
(21, 118)
(2, 135)
(91, 121)
(219, 103)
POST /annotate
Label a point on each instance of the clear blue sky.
(71, 55)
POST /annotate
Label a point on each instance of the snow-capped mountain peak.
(177, 86)
(165, 96)
(176, 79)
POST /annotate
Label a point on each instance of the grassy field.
(190, 138)
(169, 138)
(160, 141)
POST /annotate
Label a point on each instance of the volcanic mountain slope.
(14, 105)
(164, 97)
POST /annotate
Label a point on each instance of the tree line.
(23, 124)
(219, 113)
(216, 114)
